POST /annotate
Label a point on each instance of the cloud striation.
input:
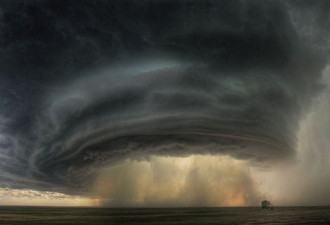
(87, 84)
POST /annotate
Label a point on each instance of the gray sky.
(97, 94)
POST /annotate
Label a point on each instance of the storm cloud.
(87, 84)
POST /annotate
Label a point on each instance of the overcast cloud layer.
(85, 84)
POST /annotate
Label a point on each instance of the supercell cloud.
(87, 84)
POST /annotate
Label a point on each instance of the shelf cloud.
(88, 84)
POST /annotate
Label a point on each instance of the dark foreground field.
(247, 215)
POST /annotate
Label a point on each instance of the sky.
(164, 103)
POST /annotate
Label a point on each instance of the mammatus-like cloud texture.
(87, 84)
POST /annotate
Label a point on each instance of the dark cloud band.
(88, 84)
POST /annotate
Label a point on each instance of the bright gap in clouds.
(27, 197)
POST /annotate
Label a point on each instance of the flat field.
(161, 216)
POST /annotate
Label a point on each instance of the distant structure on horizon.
(266, 205)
